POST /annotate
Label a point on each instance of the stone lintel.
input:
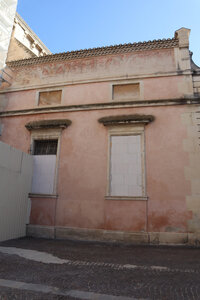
(46, 124)
(126, 119)
(48, 196)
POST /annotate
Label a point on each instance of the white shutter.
(126, 166)
(44, 167)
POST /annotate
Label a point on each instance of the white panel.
(126, 166)
(15, 185)
(44, 167)
(10, 158)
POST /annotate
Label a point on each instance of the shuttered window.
(126, 166)
(44, 166)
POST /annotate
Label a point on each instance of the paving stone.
(138, 272)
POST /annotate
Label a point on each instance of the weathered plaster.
(82, 174)
(43, 211)
(191, 144)
(131, 64)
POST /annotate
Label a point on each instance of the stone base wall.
(141, 238)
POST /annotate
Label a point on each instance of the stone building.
(7, 14)
(114, 134)
(24, 43)
(17, 39)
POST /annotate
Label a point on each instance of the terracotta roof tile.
(122, 48)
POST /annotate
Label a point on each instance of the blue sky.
(66, 25)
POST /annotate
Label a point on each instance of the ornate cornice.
(100, 106)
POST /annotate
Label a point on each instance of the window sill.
(131, 198)
(42, 195)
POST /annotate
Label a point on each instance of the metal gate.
(15, 185)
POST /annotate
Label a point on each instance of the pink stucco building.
(114, 132)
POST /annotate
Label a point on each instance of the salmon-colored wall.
(82, 176)
(83, 157)
(115, 66)
(165, 162)
(150, 89)
(126, 215)
(89, 80)
(43, 211)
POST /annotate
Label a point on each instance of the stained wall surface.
(82, 178)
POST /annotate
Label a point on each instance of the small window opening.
(45, 147)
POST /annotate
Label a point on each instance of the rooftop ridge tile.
(98, 51)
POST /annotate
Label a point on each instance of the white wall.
(15, 184)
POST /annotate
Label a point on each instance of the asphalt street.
(57, 269)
